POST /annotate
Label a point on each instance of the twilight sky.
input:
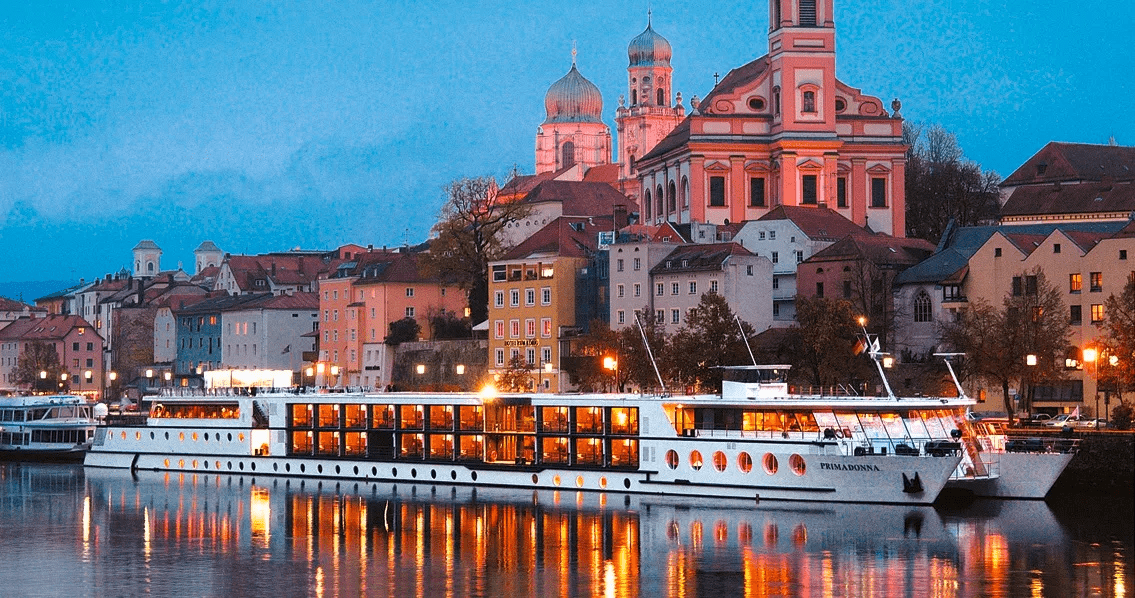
(265, 125)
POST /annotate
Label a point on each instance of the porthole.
(695, 460)
(181, 437)
(137, 436)
(151, 435)
(230, 436)
(433, 474)
(167, 435)
(603, 482)
(194, 437)
(757, 104)
(230, 465)
(556, 480)
(319, 468)
(745, 462)
(240, 437)
(181, 463)
(194, 464)
(165, 463)
(627, 483)
(770, 463)
(303, 468)
(453, 475)
(336, 470)
(473, 476)
(275, 467)
(578, 481)
(206, 464)
(124, 434)
(356, 470)
(394, 471)
(414, 473)
(288, 467)
(672, 459)
(720, 461)
(374, 471)
(796, 462)
(206, 437)
(252, 465)
(535, 479)
(216, 464)
(240, 465)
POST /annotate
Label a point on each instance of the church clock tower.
(651, 113)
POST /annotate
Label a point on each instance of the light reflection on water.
(64, 530)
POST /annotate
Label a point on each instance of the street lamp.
(1030, 361)
(1090, 356)
(43, 379)
(548, 370)
(610, 363)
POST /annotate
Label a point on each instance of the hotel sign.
(523, 343)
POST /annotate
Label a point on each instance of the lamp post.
(310, 371)
(62, 381)
(548, 367)
(42, 380)
(1030, 362)
(335, 374)
(1090, 356)
(111, 377)
(612, 364)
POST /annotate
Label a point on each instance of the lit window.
(530, 327)
(546, 327)
(1095, 280)
(514, 328)
(1075, 283)
(1097, 313)
(499, 325)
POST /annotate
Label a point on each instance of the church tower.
(802, 60)
(147, 259)
(650, 114)
(573, 132)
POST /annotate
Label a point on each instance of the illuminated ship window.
(796, 462)
(770, 463)
(695, 460)
(672, 459)
(719, 461)
(745, 462)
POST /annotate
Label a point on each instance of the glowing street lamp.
(1090, 356)
(610, 363)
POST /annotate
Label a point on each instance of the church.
(780, 130)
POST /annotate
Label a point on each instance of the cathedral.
(780, 130)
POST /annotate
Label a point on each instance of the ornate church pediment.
(857, 103)
(878, 169)
(717, 166)
(809, 164)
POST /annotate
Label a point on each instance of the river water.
(66, 531)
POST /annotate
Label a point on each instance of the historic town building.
(781, 130)
(574, 131)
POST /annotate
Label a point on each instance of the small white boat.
(46, 426)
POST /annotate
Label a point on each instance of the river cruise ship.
(46, 426)
(753, 441)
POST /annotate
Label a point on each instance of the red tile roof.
(580, 198)
(57, 327)
(698, 257)
(565, 236)
(17, 328)
(816, 222)
(607, 173)
(1059, 161)
(1075, 198)
(7, 304)
(877, 249)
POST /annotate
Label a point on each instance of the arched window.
(809, 102)
(658, 199)
(150, 267)
(671, 197)
(646, 203)
(661, 97)
(634, 97)
(630, 165)
(567, 154)
(685, 192)
(922, 307)
(776, 101)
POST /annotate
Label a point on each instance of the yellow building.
(541, 294)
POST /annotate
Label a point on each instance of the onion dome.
(649, 49)
(573, 99)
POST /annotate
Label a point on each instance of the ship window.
(770, 463)
(719, 461)
(745, 462)
(672, 459)
(695, 460)
(796, 462)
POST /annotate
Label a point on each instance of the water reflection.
(228, 535)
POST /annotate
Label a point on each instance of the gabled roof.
(1078, 198)
(17, 328)
(879, 250)
(604, 173)
(566, 236)
(289, 269)
(380, 267)
(57, 327)
(7, 304)
(1059, 161)
(282, 302)
(579, 198)
(220, 304)
(679, 136)
(667, 232)
(698, 257)
(819, 223)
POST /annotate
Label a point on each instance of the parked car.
(1064, 419)
(1095, 424)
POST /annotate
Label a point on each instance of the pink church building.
(780, 130)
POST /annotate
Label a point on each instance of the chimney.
(273, 268)
(620, 216)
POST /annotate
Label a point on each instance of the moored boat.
(46, 426)
(753, 441)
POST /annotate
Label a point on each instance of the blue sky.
(266, 125)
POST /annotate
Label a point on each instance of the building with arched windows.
(573, 132)
(781, 130)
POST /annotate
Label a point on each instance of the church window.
(630, 164)
(634, 97)
(841, 192)
(568, 154)
(807, 13)
(922, 307)
(671, 197)
(658, 198)
(150, 267)
(776, 25)
(756, 104)
(646, 204)
(685, 192)
(776, 101)
(808, 189)
(840, 105)
(717, 191)
(661, 97)
(757, 192)
(878, 192)
(809, 101)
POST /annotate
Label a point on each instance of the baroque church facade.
(780, 130)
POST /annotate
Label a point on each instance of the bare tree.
(997, 342)
(469, 235)
(942, 186)
(1119, 340)
(38, 366)
(823, 339)
(710, 339)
